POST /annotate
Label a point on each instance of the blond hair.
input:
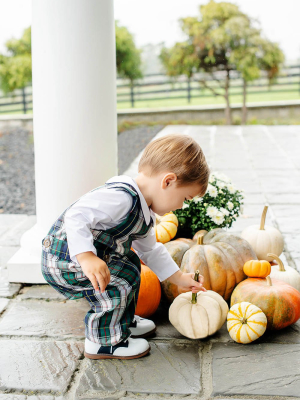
(179, 154)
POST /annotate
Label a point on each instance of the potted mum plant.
(218, 208)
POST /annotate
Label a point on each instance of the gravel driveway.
(17, 182)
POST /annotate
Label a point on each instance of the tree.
(15, 68)
(128, 56)
(221, 40)
(259, 54)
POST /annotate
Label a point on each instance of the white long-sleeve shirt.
(106, 208)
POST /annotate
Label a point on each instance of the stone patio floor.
(42, 334)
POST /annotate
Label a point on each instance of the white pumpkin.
(246, 322)
(264, 239)
(285, 273)
(199, 320)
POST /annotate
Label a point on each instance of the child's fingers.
(101, 281)
(94, 282)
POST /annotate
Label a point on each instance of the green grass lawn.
(168, 98)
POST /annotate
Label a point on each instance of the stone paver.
(256, 369)
(6, 252)
(265, 163)
(42, 365)
(41, 318)
(168, 368)
(25, 397)
(45, 292)
(10, 291)
(13, 231)
(3, 304)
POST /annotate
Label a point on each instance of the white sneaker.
(141, 327)
(130, 348)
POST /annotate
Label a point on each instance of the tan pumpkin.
(198, 315)
(246, 322)
(264, 239)
(285, 273)
(165, 227)
(277, 299)
(219, 256)
(149, 294)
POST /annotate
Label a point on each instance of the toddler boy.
(89, 245)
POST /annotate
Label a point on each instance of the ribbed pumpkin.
(198, 315)
(277, 299)
(285, 273)
(264, 239)
(257, 269)
(246, 322)
(219, 256)
(149, 293)
(165, 227)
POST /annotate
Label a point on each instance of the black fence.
(159, 87)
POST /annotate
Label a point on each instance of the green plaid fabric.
(111, 312)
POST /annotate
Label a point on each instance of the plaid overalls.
(108, 320)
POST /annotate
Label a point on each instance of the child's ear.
(168, 179)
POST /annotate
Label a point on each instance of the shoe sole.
(144, 335)
(105, 356)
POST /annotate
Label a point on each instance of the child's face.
(170, 197)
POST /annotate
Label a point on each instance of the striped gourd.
(165, 227)
(246, 322)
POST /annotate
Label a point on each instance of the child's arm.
(99, 209)
(156, 257)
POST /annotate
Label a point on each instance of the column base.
(25, 264)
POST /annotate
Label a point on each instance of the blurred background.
(171, 54)
(196, 62)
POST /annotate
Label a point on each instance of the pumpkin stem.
(200, 239)
(276, 258)
(194, 295)
(263, 218)
(269, 282)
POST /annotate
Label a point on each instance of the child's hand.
(186, 281)
(95, 269)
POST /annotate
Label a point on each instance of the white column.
(74, 114)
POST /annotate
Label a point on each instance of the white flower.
(231, 188)
(218, 218)
(230, 205)
(212, 191)
(220, 184)
(198, 199)
(212, 211)
(222, 177)
(224, 211)
(185, 206)
(211, 178)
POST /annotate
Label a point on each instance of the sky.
(156, 21)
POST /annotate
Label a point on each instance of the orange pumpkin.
(149, 293)
(277, 299)
(257, 269)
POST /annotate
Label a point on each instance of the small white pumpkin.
(246, 322)
(264, 239)
(197, 316)
(285, 273)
